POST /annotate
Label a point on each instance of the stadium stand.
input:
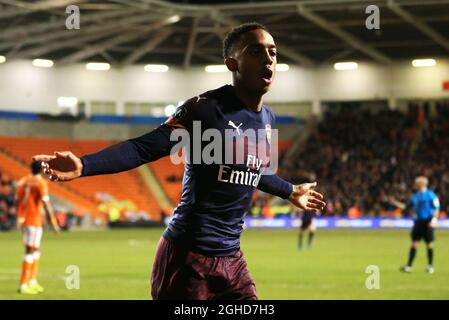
(17, 152)
(361, 156)
(169, 177)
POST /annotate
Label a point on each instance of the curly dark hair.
(235, 34)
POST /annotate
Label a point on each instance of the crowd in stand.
(362, 158)
(7, 203)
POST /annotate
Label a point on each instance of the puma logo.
(232, 124)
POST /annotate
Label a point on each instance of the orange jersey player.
(32, 196)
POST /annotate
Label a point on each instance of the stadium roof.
(186, 33)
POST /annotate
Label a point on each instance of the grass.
(117, 264)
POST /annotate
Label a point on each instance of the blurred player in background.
(307, 224)
(32, 196)
(426, 205)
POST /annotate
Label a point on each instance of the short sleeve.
(435, 201)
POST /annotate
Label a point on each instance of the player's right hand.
(433, 222)
(61, 166)
(20, 222)
(56, 230)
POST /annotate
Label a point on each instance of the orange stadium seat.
(163, 169)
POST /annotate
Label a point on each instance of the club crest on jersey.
(180, 113)
(268, 132)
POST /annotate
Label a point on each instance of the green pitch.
(116, 265)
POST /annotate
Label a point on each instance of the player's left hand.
(306, 198)
(20, 222)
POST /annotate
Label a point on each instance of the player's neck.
(251, 101)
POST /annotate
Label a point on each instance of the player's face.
(256, 61)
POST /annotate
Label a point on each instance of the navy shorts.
(306, 222)
(422, 230)
(180, 274)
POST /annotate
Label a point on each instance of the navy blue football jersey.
(215, 196)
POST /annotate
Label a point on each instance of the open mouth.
(267, 75)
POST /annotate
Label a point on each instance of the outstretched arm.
(275, 185)
(397, 203)
(126, 155)
(51, 216)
